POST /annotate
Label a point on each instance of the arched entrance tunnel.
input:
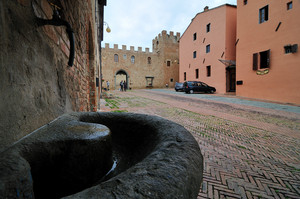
(103, 155)
(121, 75)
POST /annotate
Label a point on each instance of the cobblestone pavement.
(249, 152)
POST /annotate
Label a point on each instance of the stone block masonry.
(143, 69)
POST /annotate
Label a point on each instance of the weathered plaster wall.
(280, 81)
(36, 83)
(221, 39)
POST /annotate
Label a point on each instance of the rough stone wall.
(168, 46)
(36, 83)
(136, 71)
(166, 50)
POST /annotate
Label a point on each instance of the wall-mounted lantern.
(108, 28)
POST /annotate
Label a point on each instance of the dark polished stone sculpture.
(103, 155)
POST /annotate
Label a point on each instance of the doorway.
(121, 75)
(149, 81)
(230, 73)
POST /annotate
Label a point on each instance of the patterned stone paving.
(243, 158)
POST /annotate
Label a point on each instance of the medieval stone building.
(142, 69)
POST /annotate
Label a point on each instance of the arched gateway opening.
(121, 75)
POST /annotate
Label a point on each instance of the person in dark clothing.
(125, 85)
(121, 85)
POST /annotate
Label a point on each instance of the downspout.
(57, 21)
(101, 5)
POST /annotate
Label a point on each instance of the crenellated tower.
(164, 40)
(167, 47)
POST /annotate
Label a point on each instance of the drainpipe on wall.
(99, 13)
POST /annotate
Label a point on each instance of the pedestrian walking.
(125, 86)
(107, 85)
(121, 85)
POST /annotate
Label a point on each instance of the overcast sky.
(137, 22)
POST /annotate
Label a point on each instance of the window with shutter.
(263, 14)
(255, 61)
(294, 48)
(268, 58)
(289, 5)
(265, 59)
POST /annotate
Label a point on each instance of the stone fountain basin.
(103, 155)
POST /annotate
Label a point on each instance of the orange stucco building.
(268, 59)
(207, 48)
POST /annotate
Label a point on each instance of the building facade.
(40, 79)
(207, 48)
(268, 59)
(142, 69)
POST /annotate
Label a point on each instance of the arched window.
(116, 58)
(149, 60)
(132, 59)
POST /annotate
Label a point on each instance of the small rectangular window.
(245, 2)
(289, 5)
(197, 73)
(240, 82)
(184, 76)
(168, 63)
(263, 14)
(195, 36)
(194, 54)
(288, 49)
(208, 71)
(208, 27)
(208, 48)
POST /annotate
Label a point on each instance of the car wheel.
(212, 91)
(191, 91)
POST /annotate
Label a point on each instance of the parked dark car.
(196, 86)
(178, 86)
